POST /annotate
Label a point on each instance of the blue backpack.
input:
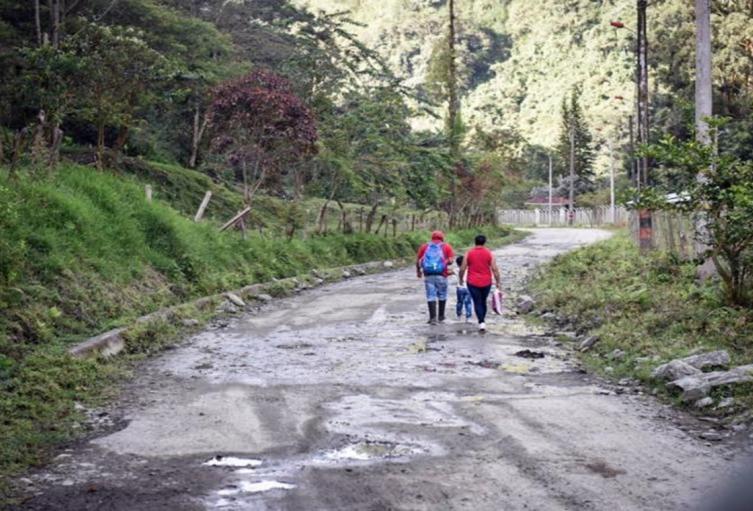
(433, 262)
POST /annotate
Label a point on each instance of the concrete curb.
(112, 342)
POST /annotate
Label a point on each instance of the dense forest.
(101, 82)
(520, 59)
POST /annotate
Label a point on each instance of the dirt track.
(343, 398)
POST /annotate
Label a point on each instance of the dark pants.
(479, 295)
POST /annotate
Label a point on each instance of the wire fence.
(352, 218)
(591, 217)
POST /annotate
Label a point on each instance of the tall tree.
(262, 128)
(117, 74)
(576, 145)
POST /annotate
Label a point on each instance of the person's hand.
(418, 274)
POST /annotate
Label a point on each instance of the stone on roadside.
(525, 304)
(346, 274)
(388, 264)
(727, 402)
(674, 370)
(697, 386)
(713, 359)
(318, 282)
(264, 298)
(227, 307)
(235, 299)
(189, 322)
(712, 435)
(588, 343)
(704, 403)
(549, 316)
(617, 355)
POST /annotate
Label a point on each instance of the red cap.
(437, 235)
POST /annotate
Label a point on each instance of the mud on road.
(343, 398)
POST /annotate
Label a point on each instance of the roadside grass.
(651, 307)
(83, 251)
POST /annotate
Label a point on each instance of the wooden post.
(394, 227)
(203, 206)
(235, 219)
(148, 191)
(360, 220)
(242, 225)
(382, 221)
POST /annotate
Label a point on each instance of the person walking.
(433, 262)
(480, 265)
(463, 297)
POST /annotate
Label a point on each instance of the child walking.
(464, 298)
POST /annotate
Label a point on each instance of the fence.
(673, 233)
(353, 218)
(592, 217)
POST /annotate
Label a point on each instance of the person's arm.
(449, 256)
(495, 271)
(463, 269)
(419, 272)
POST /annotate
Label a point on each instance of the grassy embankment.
(650, 307)
(83, 251)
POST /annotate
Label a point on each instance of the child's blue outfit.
(464, 300)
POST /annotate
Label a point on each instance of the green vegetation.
(518, 61)
(84, 247)
(651, 307)
(328, 127)
(722, 201)
(83, 251)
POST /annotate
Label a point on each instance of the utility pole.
(550, 189)
(645, 231)
(703, 90)
(453, 110)
(612, 216)
(633, 164)
(703, 108)
(571, 212)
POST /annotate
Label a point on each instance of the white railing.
(592, 217)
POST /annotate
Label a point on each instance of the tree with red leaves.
(263, 129)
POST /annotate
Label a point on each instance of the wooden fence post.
(203, 206)
(148, 192)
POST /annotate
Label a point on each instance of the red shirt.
(449, 255)
(479, 267)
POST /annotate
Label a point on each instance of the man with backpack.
(433, 265)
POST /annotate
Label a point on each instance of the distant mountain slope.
(519, 57)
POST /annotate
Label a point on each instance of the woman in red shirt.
(479, 263)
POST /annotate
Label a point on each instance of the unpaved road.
(343, 398)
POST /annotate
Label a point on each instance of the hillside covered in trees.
(520, 59)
